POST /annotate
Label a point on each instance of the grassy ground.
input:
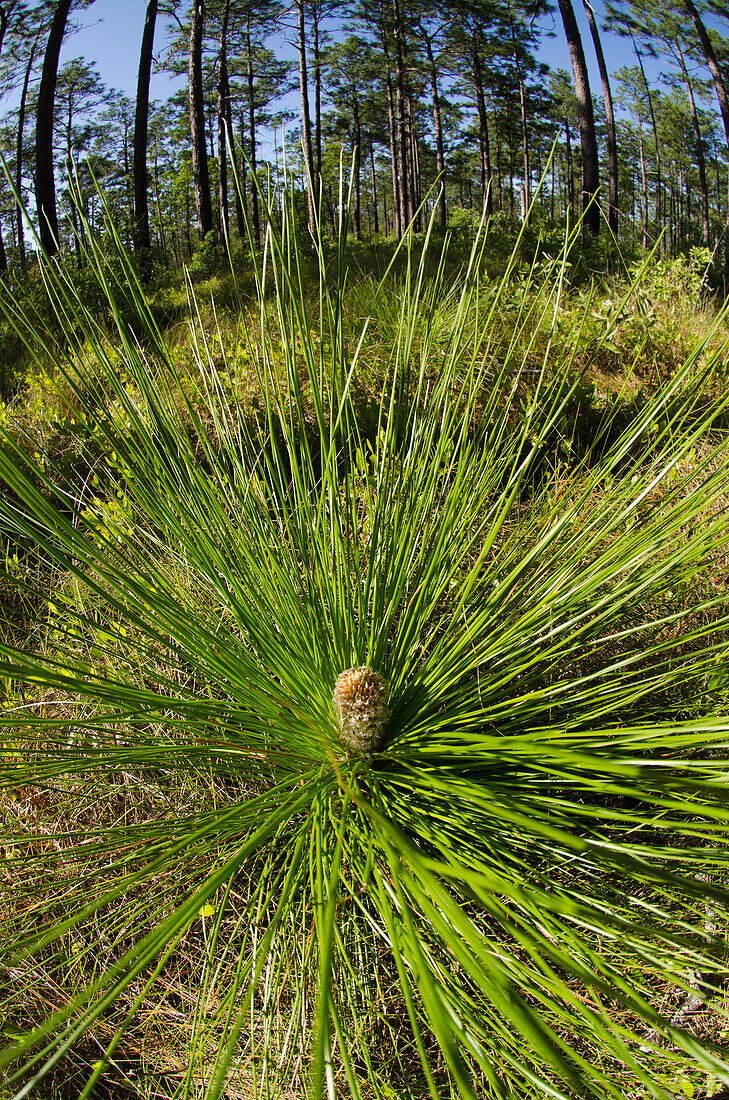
(530, 491)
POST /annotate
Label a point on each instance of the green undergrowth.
(616, 347)
(505, 500)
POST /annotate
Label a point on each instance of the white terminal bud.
(360, 703)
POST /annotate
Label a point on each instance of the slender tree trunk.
(499, 177)
(656, 146)
(700, 159)
(309, 179)
(414, 166)
(706, 46)
(243, 162)
(3, 256)
(200, 174)
(160, 231)
(357, 141)
(374, 190)
(71, 194)
(239, 185)
(588, 140)
(223, 111)
(401, 129)
(612, 145)
(644, 186)
(317, 90)
(483, 132)
(723, 100)
(45, 186)
(524, 142)
(141, 119)
(510, 162)
(395, 161)
(570, 168)
(19, 149)
(438, 128)
(4, 20)
(671, 218)
(255, 218)
(524, 128)
(128, 185)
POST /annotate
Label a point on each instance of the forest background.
(412, 93)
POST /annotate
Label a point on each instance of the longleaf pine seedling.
(384, 749)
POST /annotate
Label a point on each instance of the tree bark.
(3, 256)
(414, 166)
(374, 190)
(524, 143)
(142, 239)
(483, 132)
(317, 89)
(612, 144)
(401, 128)
(306, 117)
(700, 159)
(586, 118)
(357, 139)
(255, 218)
(394, 160)
(570, 172)
(438, 128)
(223, 105)
(45, 185)
(19, 149)
(644, 186)
(656, 146)
(706, 46)
(200, 174)
(4, 20)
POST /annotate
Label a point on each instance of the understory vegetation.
(481, 518)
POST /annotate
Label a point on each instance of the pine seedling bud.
(360, 703)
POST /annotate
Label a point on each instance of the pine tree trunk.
(510, 163)
(4, 20)
(700, 159)
(586, 118)
(656, 146)
(438, 128)
(706, 46)
(223, 110)
(414, 167)
(141, 118)
(483, 133)
(644, 187)
(19, 149)
(239, 184)
(3, 256)
(524, 143)
(374, 190)
(394, 160)
(45, 185)
(401, 129)
(570, 169)
(317, 89)
(357, 139)
(612, 144)
(305, 117)
(723, 99)
(200, 174)
(255, 218)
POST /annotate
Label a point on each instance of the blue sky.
(111, 33)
